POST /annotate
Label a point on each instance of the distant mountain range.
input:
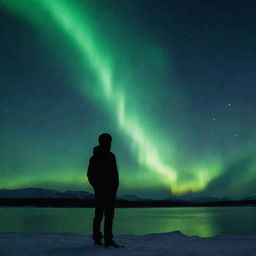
(198, 199)
(42, 193)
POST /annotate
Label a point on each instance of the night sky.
(172, 81)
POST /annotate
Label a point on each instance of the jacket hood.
(98, 150)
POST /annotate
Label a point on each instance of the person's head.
(105, 141)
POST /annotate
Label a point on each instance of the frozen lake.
(199, 221)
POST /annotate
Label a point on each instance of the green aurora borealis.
(182, 122)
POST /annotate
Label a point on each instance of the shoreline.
(83, 203)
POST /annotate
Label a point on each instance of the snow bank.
(173, 244)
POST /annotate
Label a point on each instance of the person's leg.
(109, 217)
(97, 235)
(108, 224)
(99, 210)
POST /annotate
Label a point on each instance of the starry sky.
(172, 81)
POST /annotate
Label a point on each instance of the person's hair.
(104, 138)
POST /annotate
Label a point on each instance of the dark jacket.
(102, 170)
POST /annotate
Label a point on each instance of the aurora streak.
(153, 153)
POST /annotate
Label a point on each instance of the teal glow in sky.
(140, 73)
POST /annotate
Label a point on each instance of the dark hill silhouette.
(47, 197)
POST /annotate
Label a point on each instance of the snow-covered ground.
(173, 244)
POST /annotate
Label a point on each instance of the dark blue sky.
(185, 70)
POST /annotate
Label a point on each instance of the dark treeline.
(42, 202)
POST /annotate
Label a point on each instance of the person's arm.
(116, 173)
(91, 172)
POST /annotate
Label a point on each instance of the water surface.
(199, 221)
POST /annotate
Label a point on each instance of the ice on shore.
(173, 244)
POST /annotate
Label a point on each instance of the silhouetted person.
(103, 176)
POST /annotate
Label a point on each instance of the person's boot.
(112, 243)
(98, 243)
(97, 235)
